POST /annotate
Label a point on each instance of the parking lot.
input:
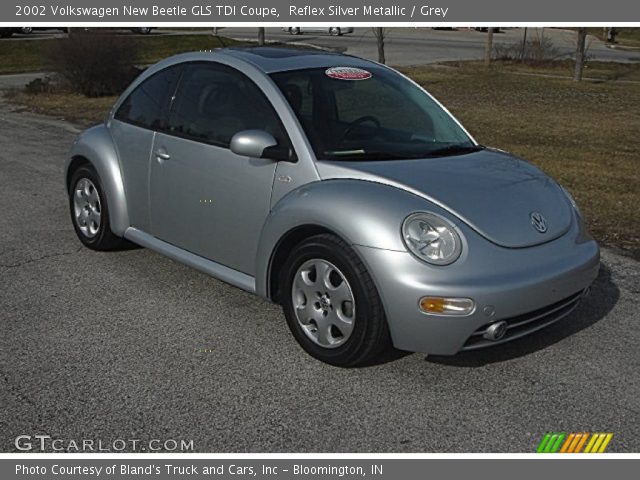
(132, 345)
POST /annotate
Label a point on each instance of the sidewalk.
(19, 80)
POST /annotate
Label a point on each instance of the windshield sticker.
(347, 73)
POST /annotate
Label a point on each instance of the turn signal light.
(447, 306)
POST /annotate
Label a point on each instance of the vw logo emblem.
(538, 222)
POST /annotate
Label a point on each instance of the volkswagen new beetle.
(338, 188)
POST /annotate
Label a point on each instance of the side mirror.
(252, 143)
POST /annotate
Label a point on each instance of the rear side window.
(214, 102)
(147, 105)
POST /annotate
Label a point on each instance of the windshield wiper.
(454, 150)
(364, 155)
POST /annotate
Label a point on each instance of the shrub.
(536, 50)
(94, 64)
(40, 85)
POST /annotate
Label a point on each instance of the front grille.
(526, 323)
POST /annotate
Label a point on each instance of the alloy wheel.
(87, 207)
(323, 303)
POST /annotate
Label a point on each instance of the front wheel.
(89, 211)
(294, 31)
(335, 31)
(331, 305)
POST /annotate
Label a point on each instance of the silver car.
(339, 189)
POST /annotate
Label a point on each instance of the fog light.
(447, 306)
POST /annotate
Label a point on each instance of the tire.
(294, 31)
(90, 212)
(26, 30)
(347, 334)
(335, 31)
(142, 30)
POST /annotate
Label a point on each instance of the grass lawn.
(565, 68)
(72, 107)
(30, 56)
(586, 135)
(627, 36)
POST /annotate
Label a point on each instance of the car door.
(204, 198)
(132, 129)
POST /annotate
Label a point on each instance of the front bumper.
(529, 288)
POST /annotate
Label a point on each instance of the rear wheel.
(90, 212)
(294, 31)
(335, 31)
(331, 304)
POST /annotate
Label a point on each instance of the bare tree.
(261, 36)
(488, 47)
(524, 45)
(380, 34)
(580, 53)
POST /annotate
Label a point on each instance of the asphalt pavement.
(418, 46)
(132, 345)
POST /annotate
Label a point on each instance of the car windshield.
(374, 114)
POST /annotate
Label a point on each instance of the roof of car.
(277, 59)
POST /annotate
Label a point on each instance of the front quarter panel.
(95, 145)
(360, 212)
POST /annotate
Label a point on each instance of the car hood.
(492, 192)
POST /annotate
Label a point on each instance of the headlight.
(431, 238)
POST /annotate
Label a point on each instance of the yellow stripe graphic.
(599, 440)
(592, 440)
(605, 442)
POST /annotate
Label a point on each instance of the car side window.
(148, 104)
(214, 102)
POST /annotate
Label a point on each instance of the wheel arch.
(75, 162)
(287, 242)
(95, 147)
(358, 212)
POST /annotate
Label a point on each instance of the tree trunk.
(524, 45)
(379, 32)
(488, 47)
(582, 36)
(261, 36)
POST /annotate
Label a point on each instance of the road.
(417, 46)
(410, 46)
(131, 345)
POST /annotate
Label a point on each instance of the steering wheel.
(357, 122)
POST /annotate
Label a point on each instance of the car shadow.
(594, 307)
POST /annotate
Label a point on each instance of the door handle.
(162, 155)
